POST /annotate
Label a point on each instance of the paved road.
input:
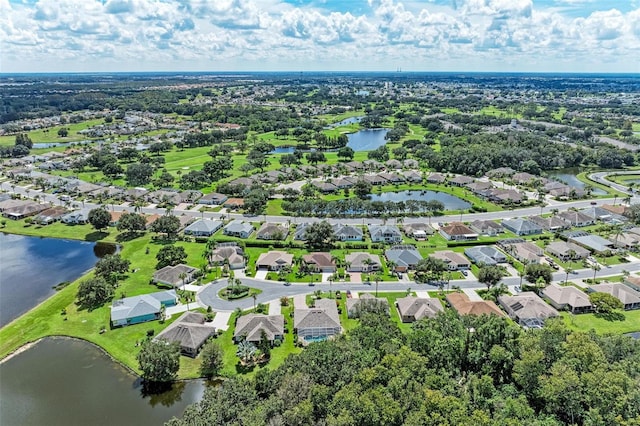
(271, 290)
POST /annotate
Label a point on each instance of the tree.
(246, 352)
(212, 359)
(264, 345)
(167, 224)
(605, 303)
(23, 139)
(346, 153)
(94, 292)
(489, 275)
(63, 132)
(429, 269)
(319, 234)
(159, 360)
(170, 255)
(131, 222)
(138, 174)
(534, 271)
(111, 267)
(362, 189)
(316, 157)
(112, 170)
(255, 201)
(99, 218)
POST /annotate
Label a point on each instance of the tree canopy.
(159, 360)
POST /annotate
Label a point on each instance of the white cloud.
(254, 34)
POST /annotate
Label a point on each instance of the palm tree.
(595, 268)
(616, 232)
(568, 271)
(254, 296)
(246, 351)
(183, 277)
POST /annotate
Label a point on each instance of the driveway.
(300, 301)
(356, 277)
(275, 308)
(221, 320)
(261, 274)
(472, 294)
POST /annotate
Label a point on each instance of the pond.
(367, 140)
(283, 150)
(451, 202)
(71, 382)
(31, 266)
(345, 122)
(569, 176)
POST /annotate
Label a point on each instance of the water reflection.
(32, 266)
(71, 382)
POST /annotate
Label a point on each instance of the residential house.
(412, 176)
(50, 215)
(594, 243)
(486, 227)
(143, 308)
(436, 178)
(501, 172)
(356, 306)
(604, 215)
(76, 217)
(458, 231)
(418, 231)
(479, 187)
(300, 231)
(626, 240)
(385, 233)
(413, 309)
(272, 231)
(551, 223)
(274, 260)
(234, 203)
(619, 209)
(173, 275)
(567, 251)
(362, 262)
(633, 282)
(461, 181)
(393, 178)
(455, 261)
(318, 323)
(252, 327)
(485, 255)
(461, 303)
(229, 253)
(502, 196)
(404, 257)
(393, 164)
(576, 218)
(24, 208)
(522, 226)
(523, 251)
(190, 331)
(325, 187)
(203, 228)
(213, 199)
(347, 232)
(238, 228)
(319, 262)
(375, 179)
(567, 298)
(527, 309)
(629, 297)
(524, 178)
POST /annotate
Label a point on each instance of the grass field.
(588, 322)
(51, 134)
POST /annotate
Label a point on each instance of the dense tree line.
(357, 206)
(445, 371)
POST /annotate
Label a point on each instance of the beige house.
(274, 260)
(567, 298)
(413, 309)
(628, 296)
(461, 303)
(527, 308)
(251, 327)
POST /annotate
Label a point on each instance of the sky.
(320, 35)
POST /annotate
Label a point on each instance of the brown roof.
(320, 259)
(457, 228)
(461, 303)
(619, 209)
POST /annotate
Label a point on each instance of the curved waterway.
(71, 382)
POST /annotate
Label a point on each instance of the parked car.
(465, 273)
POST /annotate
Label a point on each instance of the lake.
(345, 122)
(31, 266)
(451, 202)
(71, 382)
(283, 150)
(568, 176)
(367, 140)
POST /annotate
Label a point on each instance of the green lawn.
(588, 322)
(51, 134)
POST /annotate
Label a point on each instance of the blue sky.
(331, 35)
